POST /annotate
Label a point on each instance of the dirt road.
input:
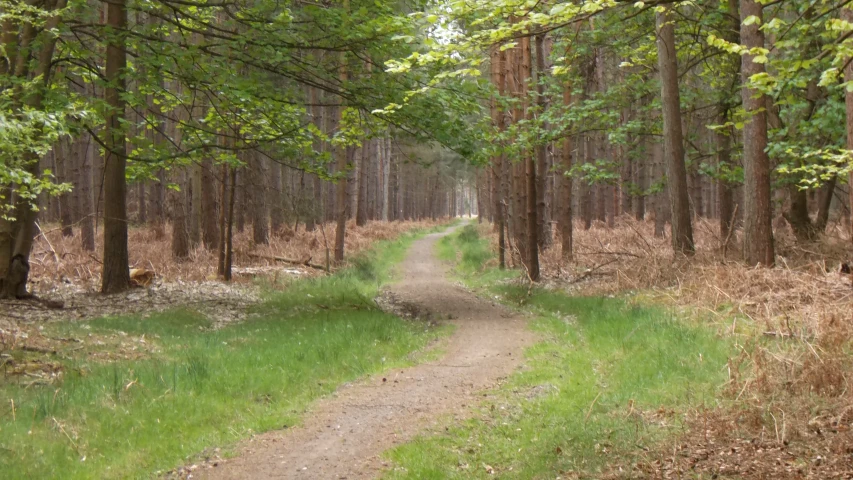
(344, 435)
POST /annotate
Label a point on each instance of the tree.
(758, 230)
(682, 228)
(26, 138)
(847, 15)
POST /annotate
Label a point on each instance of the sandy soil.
(345, 434)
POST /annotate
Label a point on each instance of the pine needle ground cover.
(192, 386)
(607, 377)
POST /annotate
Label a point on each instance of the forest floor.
(626, 363)
(130, 385)
(345, 434)
(657, 367)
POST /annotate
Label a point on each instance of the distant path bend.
(344, 435)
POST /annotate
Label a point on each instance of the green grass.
(205, 387)
(569, 409)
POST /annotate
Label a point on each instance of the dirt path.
(344, 435)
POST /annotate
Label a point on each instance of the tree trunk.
(724, 163)
(758, 232)
(499, 177)
(241, 199)
(661, 208)
(529, 169)
(209, 215)
(362, 163)
(63, 160)
(825, 202)
(567, 219)
(229, 228)
(142, 212)
(585, 189)
(847, 15)
(157, 199)
(798, 214)
(85, 208)
(223, 218)
(116, 276)
(276, 206)
(257, 193)
(543, 224)
(682, 228)
(194, 172)
(641, 177)
(16, 238)
(177, 206)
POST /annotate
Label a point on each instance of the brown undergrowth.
(57, 259)
(787, 408)
(62, 271)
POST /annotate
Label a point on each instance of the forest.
(209, 165)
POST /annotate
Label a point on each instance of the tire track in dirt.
(344, 435)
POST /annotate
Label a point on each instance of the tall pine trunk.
(682, 227)
(543, 224)
(758, 232)
(847, 15)
(116, 276)
(209, 214)
(566, 179)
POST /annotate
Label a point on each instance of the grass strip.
(608, 379)
(199, 387)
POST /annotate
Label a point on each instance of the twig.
(731, 230)
(649, 245)
(52, 250)
(326, 244)
(629, 254)
(62, 429)
(592, 270)
(306, 262)
(589, 411)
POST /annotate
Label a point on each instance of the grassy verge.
(609, 377)
(191, 387)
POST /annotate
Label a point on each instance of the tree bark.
(847, 15)
(682, 227)
(543, 224)
(276, 205)
(116, 276)
(566, 179)
(16, 238)
(194, 172)
(499, 178)
(229, 228)
(825, 202)
(209, 214)
(724, 162)
(529, 169)
(257, 193)
(178, 207)
(758, 232)
(64, 159)
(363, 162)
(85, 205)
(662, 210)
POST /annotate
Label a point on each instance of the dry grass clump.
(789, 412)
(60, 260)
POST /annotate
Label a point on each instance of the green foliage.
(580, 403)
(473, 250)
(199, 387)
